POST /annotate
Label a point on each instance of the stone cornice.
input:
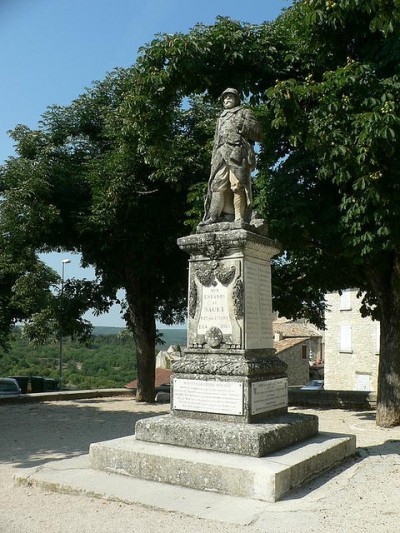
(218, 244)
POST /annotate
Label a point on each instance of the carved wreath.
(225, 275)
(207, 276)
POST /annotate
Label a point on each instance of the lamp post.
(60, 359)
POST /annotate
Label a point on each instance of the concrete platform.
(265, 478)
(74, 476)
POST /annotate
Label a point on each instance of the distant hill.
(172, 336)
(106, 330)
(169, 335)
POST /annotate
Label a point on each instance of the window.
(345, 303)
(345, 339)
(363, 382)
(304, 352)
(378, 338)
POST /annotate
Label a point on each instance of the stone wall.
(351, 345)
(331, 399)
(298, 367)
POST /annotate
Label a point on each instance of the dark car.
(9, 387)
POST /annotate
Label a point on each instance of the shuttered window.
(378, 337)
(345, 339)
(345, 303)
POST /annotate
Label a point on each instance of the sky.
(52, 50)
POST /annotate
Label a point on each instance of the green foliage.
(25, 287)
(109, 175)
(84, 182)
(333, 196)
(109, 361)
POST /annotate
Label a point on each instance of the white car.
(315, 384)
(9, 387)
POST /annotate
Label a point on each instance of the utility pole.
(60, 359)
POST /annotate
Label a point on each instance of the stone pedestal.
(229, 415)
(230, 301)
(229, 370)
(229, 377)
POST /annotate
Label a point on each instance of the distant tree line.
(105, 363)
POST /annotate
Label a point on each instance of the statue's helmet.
(230, 91)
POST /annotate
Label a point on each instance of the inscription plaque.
(258, 312)
(208, 396)
(269, 395)
(214, 310)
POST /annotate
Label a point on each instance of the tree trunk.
(386, 286)
(388, 407)
(141, 320)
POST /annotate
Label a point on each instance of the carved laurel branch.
(238, 299)
(192, 299)
(230, 366)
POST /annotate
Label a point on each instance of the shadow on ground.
(389, 447)
(33, 434)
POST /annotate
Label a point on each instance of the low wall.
(325, 399)
(67, 395)
(334, 399)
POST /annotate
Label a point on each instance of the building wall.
(298, 371)
(351, 345)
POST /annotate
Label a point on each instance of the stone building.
(296, 343)
(166, 358)
(351, 344)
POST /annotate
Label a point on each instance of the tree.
(108, 176)
(134, 144)
(25, 288)
(324, 80)
(333, 199)
(78, 183)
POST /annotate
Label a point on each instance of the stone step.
(259, 478)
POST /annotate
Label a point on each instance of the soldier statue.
(229, 194)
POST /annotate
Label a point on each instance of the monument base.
(266, 478)
(256, 440)
(229, 430)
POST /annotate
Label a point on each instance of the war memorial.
(229, 430)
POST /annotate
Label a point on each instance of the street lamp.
(60, 360)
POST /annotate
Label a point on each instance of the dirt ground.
(362, 495)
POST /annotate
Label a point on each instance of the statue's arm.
(250, 127)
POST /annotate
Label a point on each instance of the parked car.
(314, 384)
(34, 384)
(9, 387)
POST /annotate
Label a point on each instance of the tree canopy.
(79, 182)
(333, 198)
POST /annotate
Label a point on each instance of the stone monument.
(229, 391)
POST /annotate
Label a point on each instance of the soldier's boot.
(215, 210)
(239, 204)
